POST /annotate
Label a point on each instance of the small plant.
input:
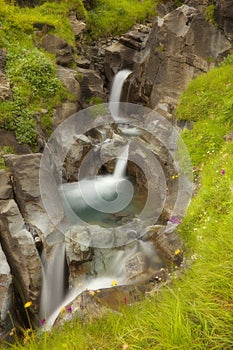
(209, 15)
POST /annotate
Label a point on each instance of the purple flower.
(42, 322)
(69, 309)
(223, 172)
(175, 220)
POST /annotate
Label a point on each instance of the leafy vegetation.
(196, 311)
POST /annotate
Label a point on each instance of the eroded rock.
(5, 288)
(59, 47)
(22, 256)
(182, 44)
(5, 185)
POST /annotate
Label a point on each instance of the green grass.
(196, 310)
(116, 17)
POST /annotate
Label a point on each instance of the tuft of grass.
(116, 17)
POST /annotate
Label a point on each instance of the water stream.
(116, 91)
(94, 196)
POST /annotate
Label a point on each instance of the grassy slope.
(196, 312)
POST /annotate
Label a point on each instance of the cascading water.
(53, 280)
(116, 91)
(109, 193)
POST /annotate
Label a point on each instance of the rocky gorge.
(164, 56)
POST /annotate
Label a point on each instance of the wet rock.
(5, 185)
(75, 156)
(78, 255)
(167, 241)
(22, 256)
(59, 47)
(5, 288)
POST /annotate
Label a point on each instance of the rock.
(25, 174)
(5, 186)
(5, 288)
(78, 256)
(63, 112)
(59, 47)
(224, 16)
(75, 156)
(125, 53)
(22, 256)
(7, 138)
(181, 45)
(5, 88)
(69, 78)
(78, 27)
(91, 84)
(2, 60)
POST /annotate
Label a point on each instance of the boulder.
(63, 112)
(91, 84)
(5, 185)
(25, 177)
(22, 256)
(59, 47)
(181, 45)
(69, 78)
(5, 288)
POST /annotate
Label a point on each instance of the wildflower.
(177, 252)
(114, 283)
(223, 172)
(27, 304)
(175, 220)
(12, 332)
(42, 322)
(175, 176)
(63, 309)
(91, 292)
(69, 309)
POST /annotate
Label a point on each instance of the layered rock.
(181, 45)
(22, 256)
(5, 289)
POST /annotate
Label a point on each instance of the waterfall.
(121, 164)
(53, 280)
(116, 90)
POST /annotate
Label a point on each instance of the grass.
(32, 72)
(196, 310)
(116, 17)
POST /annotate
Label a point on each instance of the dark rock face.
(224, 16)
(62, 50)
(181, 45)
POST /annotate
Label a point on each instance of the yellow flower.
(177, 252)
(27, 304)
(63, 309)
(175, 176)
(91, 292)
(114, 283)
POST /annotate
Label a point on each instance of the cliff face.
(182, 45)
